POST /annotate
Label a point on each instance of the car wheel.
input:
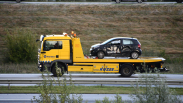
(100, 55)
(126, 70)
(58, 71)
(134, 55)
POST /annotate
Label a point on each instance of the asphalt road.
(85, 3)
(90, 98)
(26, 98)
(91, 77)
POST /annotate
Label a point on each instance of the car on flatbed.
(117, 47)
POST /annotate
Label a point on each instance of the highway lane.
(90, 75)
(85, 3)
(26, 98)
(104, 79)
(90, 98)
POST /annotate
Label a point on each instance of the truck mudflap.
(164, 69)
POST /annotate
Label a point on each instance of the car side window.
(126, 42)
(48, 45)
(115, 42)
(113, 46)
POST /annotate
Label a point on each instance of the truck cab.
(54, 48)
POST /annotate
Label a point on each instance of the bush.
(21, 46)
(156, 91)
(62, 94)
(118, 99)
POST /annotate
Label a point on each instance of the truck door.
(56, 50)
(50, 50)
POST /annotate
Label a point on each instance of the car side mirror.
(37, 40)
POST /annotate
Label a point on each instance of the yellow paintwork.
(77, 50)
(95, 67)
(80, 68)
(105, 67)
(56, 37)
(64, 53)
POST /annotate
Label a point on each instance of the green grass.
(157, 27)
(19, 68)
(78, 89)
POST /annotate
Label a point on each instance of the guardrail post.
(8, 86)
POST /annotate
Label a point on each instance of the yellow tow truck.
(63, 53)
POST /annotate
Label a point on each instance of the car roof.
(118, 38)
(122, 38)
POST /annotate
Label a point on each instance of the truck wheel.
(100, 55)
(134, 55)
(179, 1)
(58, 71)
(126, 70)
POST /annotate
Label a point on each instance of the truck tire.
(100, 54)
(57, 71)
(126, 70)
(134, 55)
(179, 1)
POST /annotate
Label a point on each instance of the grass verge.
(78, 90)
(19, 68)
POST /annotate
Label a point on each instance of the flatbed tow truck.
(63, 53)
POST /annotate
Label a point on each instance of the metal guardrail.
(81, 81)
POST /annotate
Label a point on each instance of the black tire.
(57, 71)
(179, 1)
(134, 55)
(100, 54)
(18, 1)
(126, 70)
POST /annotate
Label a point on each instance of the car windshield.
(107, 41)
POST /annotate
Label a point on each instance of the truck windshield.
(48, 45)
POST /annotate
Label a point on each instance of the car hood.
(95, 45)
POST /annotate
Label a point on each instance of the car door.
(113, 47)
(127, 46)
